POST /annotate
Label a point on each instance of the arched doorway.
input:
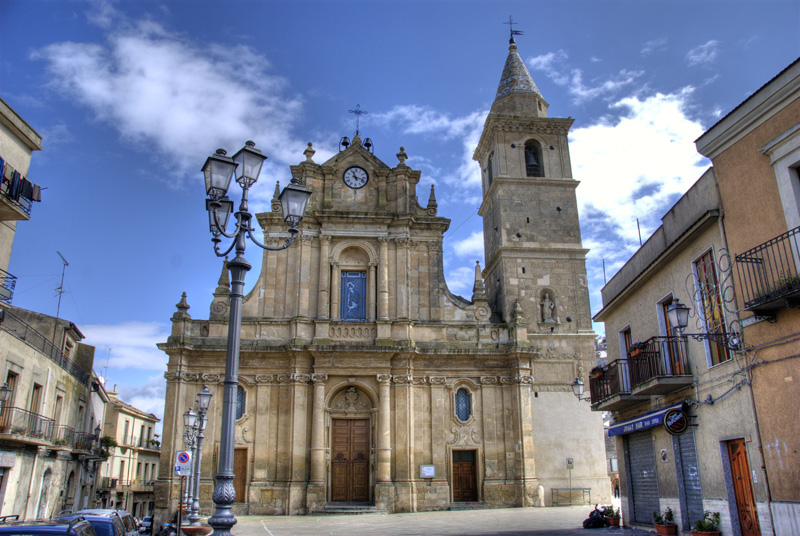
(351, 443)
(41, 512)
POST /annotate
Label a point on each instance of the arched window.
(533, 159)
(463, 405)
(241, 400)
(354, 295)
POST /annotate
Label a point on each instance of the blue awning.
(643, 422)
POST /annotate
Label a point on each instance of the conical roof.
(516, 78)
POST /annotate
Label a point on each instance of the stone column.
(323, 305)
(383, 279)
(371, 291)
(335, 291)
(384, 472)
(318, 429)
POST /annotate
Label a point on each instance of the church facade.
(364, 381)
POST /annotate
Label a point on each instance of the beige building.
(48, 438)
(364, 381)
(653, 373)
(129, 473)
(755, 150)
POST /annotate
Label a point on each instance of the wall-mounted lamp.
(678, 315)
(577, 390)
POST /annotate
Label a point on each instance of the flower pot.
(613, 521)
(636, 352)
(671, 528)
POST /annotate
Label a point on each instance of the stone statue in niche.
(548, 306)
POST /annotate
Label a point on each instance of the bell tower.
(531, 232)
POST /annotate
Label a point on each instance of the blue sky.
(131, 97)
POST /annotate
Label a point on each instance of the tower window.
(489, 171)
(241, 401)
(533, 159)
(354, 295)
(463, 405)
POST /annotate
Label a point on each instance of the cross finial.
(511, 29)
(359, 112)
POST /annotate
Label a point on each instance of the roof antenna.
(359, 112)
(60, 289)
(512, 31)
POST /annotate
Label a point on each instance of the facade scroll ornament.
(264, 378)
(351, 401)
(402, 379)
(438, 380)
(488, 380)
(384, 378)
(318, 378)
(420, 380)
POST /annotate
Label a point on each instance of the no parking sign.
(183, 463)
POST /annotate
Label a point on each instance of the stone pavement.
(556, 521)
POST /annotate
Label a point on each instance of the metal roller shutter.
(644, 481)
(687, 468)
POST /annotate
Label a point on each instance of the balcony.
(63, 436)
(7, 284)
(769, 274)
(26, 426)
(15, 197)
(611, 390)
(661, 367)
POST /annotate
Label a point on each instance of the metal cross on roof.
(511, 24)
(359, 112)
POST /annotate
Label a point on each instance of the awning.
(643, 422)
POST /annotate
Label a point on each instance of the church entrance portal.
(350, 460)
(465, 481)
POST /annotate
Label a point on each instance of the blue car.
(77, 526)
(107, 524)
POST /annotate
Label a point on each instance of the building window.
(533, 159)
(463, 405)
(625, 342)
(709, 300)
(241, 400)
(354, 295)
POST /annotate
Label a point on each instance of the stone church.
(364, 381)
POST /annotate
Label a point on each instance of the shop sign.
(648, 420)
(676, 421)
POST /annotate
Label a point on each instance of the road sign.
(183, 463)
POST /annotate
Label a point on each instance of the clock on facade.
(355, 177)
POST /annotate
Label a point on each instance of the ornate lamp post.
(294, 198)
(203, 400)
(678, 315)
(189, 435)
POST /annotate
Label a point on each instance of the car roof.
(44, 526)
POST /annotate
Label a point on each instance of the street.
(559, 521)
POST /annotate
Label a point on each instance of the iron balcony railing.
(770, 271)
(22, 331)
(661, 356)
(11, 191)
(7, 284)
(63, 435)
(84, 441)
(21, 422)
(613, 380)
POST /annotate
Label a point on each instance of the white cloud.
(175, 99)
(705, 53)
(128, 345)
(555, 66)
(461, 280)
(654, 46)
(471, 246)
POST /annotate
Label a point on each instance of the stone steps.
(348, 509)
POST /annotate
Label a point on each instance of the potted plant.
(708, 526)
(596, 372)
(611, 515)
(665, 524)
(637, 348)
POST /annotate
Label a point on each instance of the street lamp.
(678, 315)
(577, 390)
(203, 400)
(294, 198)
(189, 435)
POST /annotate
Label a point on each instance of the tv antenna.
(105, 374)
(60, 289)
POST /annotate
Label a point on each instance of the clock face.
(355, 177)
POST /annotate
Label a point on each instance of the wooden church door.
(350, 460)
(465, 481)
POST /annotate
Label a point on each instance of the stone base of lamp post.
(196, 530)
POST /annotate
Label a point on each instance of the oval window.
(463, 405)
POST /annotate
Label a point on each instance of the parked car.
(104, 524)
(131, 527)
(77, 526)
(146, 526)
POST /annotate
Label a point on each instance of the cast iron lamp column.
(189, 443)
(294, 198)
(203, 400)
